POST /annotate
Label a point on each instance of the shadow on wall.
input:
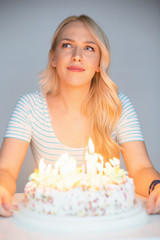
(27, 168)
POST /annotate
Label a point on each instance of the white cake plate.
(71, 224)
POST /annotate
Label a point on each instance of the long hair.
(102, 105)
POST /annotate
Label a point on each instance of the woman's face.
(76, 56)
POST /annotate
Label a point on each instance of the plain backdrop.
(133, 29)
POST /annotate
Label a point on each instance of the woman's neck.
(68, 122)
(70, 100)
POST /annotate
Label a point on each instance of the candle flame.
(108, 165)
(66, 164)
(91, 146)
(42, 165)
(114, 162)
(63, 159)
(48, 168)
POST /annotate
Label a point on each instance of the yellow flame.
(91, 146)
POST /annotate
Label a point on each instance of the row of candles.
(66, 165)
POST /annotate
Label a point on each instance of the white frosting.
(100, 200)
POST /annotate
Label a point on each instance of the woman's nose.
(77, 55)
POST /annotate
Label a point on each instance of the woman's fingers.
(150, 203)
(153, 202)
(4, 212)
(157, 206)
(5, 203)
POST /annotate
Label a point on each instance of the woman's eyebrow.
(66, 39)
(71, 40)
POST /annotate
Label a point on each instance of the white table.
(9, 230)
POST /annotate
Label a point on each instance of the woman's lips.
(75, 69)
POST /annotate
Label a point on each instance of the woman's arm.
(142, 171)
(12, 154)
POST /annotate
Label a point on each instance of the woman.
(78, 100)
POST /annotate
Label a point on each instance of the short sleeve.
(128, 128)
(19, 125)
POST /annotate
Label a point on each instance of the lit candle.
(55, 170)
(108, 165)
(83, 170)
(48, 169)
(102, 163)
(91, 159)
(91, 146)
(66, 164)
(115, 162)
(42, 167)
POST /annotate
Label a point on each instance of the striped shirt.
(31, 122)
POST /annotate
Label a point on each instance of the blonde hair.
(102, 105)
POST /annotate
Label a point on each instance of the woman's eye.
(89, 48)
(66, 45)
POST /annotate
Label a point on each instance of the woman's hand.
(5, 202)
(12, 154)
(153, 201)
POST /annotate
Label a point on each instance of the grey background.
(133, 29)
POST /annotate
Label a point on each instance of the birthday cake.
(70, 191)
(95, 197)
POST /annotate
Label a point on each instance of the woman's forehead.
(75, 29)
